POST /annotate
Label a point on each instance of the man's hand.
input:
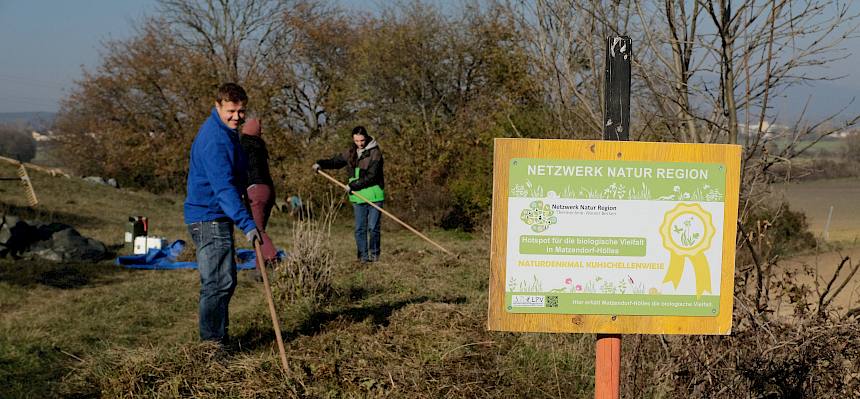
(253, 236)
(316, 167)
(348, 190)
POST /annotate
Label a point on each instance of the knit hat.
(251, 127)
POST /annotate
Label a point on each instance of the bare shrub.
(773, 359)
(811, 350)
(16, 143)
(306, 275)
(807, 354)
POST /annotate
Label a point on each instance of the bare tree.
(287, 53)
(704, 63)
(708, 70)
(235, 35)
(671, 88)
(565, 40)
(320, 41)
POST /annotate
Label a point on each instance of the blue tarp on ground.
(165, 259)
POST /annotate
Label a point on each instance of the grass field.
(816, 197)
(411, 325)
(831, 146)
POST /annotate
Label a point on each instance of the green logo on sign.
(539, 216)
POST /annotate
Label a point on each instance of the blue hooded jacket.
(216, 176)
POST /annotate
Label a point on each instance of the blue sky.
(46, 44)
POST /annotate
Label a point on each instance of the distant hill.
(39, 121)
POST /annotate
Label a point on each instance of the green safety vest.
(373, 193)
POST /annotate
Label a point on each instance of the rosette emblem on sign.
(687, 232)
(539, 216)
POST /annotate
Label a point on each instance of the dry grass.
(798, 357)
(410, 326)
(191, 370)
(816, 197)
(306, 275)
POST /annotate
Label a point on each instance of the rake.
(267, 290)
(24, 178)
(386, 213)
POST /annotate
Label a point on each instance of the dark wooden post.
(616, 126)
(616, 88)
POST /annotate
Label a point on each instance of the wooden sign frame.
(507, 149)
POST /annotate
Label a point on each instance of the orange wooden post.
(607, 367)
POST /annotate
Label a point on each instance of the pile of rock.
(52, 241)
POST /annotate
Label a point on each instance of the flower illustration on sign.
(687, 231)
(519, 191)
(539, 216)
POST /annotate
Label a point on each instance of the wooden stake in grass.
(402, 223)
(268, 291)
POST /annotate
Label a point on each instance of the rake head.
(25, 180)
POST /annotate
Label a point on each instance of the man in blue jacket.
(216, 177)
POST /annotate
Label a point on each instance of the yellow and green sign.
(624, 230)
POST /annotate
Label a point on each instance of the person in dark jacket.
(261, 189)
(216, 179)
(364, 167)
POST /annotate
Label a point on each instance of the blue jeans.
(217, 266)
(367, 220)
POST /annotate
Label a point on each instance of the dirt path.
(825, 265)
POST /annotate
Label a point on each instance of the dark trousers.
(217, 266)
(367, 224)
(262, 198)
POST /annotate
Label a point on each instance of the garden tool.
(24, 178)
(408, 227)
(261, 264)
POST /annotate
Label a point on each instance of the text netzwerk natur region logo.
(539, 216)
